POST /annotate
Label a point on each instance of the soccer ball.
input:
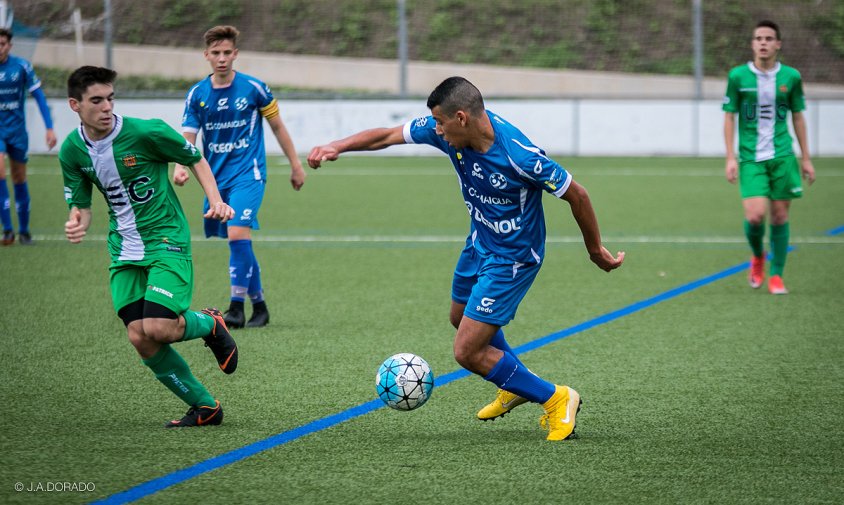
(404, 381)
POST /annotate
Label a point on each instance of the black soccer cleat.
(199, 416)
(221, 343)
(260, 316)
(8, 237)
(25, 239)
(235, 317)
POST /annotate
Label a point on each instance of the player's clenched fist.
(322, 153)
(220, 211)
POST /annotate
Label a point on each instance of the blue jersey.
(17, 79)
(502, 188)
(232, 128)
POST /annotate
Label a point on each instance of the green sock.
(172, 370)
(197, 325)
(755, 237)
(779, 247)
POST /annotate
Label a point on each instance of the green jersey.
(762, 101)
(130, 168)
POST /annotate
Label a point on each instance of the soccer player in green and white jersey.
(151, 271)
(762, 92)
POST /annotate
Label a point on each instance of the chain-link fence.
(641, 36)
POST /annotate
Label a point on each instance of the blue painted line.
(836, 231)
(153, 486)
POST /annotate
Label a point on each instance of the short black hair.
(86, 76)
(767, 23)
(456, 93)
(5, 32)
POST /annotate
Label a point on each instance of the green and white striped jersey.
(130, 168)
(762, 101)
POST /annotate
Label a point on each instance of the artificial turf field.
(720, 394)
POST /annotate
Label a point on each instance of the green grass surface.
(721, 395)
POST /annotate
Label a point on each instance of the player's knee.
(466, 356)
(755, 218)
(162, 331)
(779, 216)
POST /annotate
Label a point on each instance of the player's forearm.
(730, 134)
(286, 144)
(584, 215)
(43, 108)
(800, 130)
(370, 140)
(202, 171)
(85, 216)
(190, 137)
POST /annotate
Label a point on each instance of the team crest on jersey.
(129, 160)
(240, 103)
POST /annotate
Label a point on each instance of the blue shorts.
(16, 144)
(491, 287)
(245, 198)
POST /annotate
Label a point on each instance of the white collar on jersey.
(756, 70)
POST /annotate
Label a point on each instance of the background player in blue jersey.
(227, 106)
(17, 78)
(502, 177)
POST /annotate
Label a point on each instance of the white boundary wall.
(587, 127)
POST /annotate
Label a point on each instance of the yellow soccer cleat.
(561, 413)
(504, 402)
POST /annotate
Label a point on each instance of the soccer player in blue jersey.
(17, 78)
(502, 176)
(227, 106)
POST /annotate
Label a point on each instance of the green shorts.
(776, 179)
(166, 281)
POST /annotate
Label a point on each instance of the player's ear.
(462, 117)
(74, 104)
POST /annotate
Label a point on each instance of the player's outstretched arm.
(217, 208)
(584, 214)
(367, 140)
(77, 224)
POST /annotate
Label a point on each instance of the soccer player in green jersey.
(762, 92)
(151, 272)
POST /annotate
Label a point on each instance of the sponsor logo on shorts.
(161, 291)
(486, 305)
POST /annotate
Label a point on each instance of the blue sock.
(22, 206)
(499, 342)
(256, 290)
(5, 210)
(240, 265)
(510, 376)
